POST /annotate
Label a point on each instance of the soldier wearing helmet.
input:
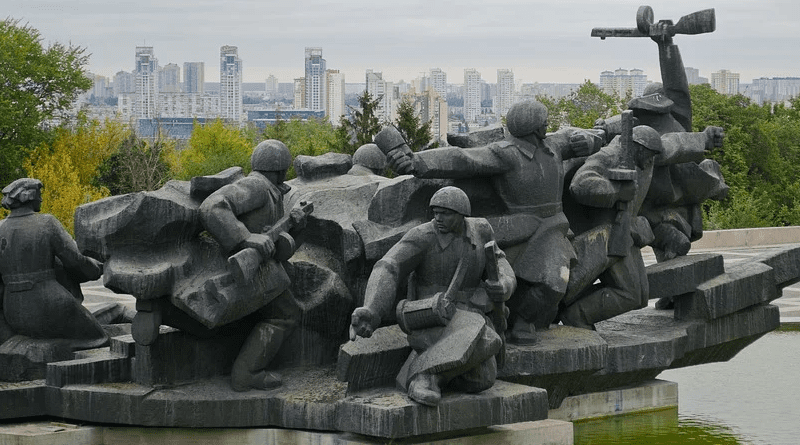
(599, 185)
(451, 245)
(368, 160)
(236, 216)
(527, 175)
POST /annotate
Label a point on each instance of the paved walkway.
(95, 293)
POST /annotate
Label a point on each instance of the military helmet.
(653, 99)
(370, 156)
(271, 155)
(527, 117)
(648, 138)
(452, 198)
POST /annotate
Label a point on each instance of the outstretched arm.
(673, 77)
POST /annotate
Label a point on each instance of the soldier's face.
(446, 220)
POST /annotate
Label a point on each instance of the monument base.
(550, 432)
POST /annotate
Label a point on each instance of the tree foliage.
(136, 165)
(37, 85)
(759, 159)
(213, 147)
(582, 107)
(68, 165)
(312, 137)
(363, 123)
(416, 133)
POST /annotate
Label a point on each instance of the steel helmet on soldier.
(648, 138)
(452, 198)
(271, 155)
(370, 156)
(527, 117)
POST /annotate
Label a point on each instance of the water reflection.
(655, 428)
(752, 399)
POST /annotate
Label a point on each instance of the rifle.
(499, 312)
(619, 240)
(699, 22)
(245, 263)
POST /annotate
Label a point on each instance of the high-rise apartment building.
(379, 88)
(725, 82)
(505, 92)
(315, 80)
(230, 83)
(169, 78)
(430, 107)
(145, 101)
(693, 76)
(194, 77)
(622, 82)
(334, 99)
(438, 81)
(124, 82)
(299, 93)
(472, 94)
(271, 87)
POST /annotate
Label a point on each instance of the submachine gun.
(699, 22)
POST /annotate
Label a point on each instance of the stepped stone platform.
(726, 311)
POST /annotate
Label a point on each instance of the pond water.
(752, 399)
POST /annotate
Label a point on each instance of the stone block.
(23, 358)
(683, 274)
(391, 414)
(100, 368)
(785, 263)
(123, 345)
(748, 325)
(322, 166)
(653, 395)
(560, 349)
(50, 433)
(375, 361)
(23, 399)
(477, 138)
(744, 285)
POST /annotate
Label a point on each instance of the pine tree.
(416, 134)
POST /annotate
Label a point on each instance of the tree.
(416, 134)
(38, 86)
(137, 165)
(213, 147)
(587, 104)
(363, 124)
(311, 137)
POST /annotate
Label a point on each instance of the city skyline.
(538, 41)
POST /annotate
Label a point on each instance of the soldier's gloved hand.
(363, 322)
(262, 243)
(627, 191)
(298, 217)
(401, 161)
(714, 137)
(495, 290)
(661, 35)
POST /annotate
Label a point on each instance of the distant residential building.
(299, 93)
(693, 76)
(262, 118)
(554, 90)
(230, 83)
(774, 90)
(145, 101)
(379, 88)
(334, 104)
(194, 77)
(725, 82)
(472, 94)
(169, 78)
(315, 80)
(438, 81)
(271, 87)
(175, 105)
(622, 82)
(124, 82)
(505, 91)
(431, 107)
(101, 87)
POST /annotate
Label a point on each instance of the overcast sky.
(541, 41)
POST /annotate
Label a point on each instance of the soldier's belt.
(25, 281)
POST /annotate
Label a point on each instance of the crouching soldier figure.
(454, 314)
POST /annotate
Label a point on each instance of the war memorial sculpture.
(484, 284)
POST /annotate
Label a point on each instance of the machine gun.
(619, 241)
(699, 22)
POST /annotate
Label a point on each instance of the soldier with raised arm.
(527, 175)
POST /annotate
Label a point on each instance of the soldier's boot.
(424, 389)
